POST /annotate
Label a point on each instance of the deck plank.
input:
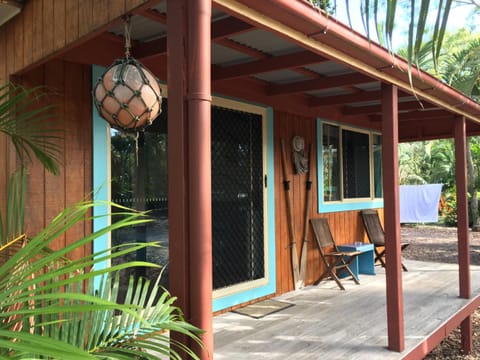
(333, 324)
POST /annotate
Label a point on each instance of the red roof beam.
(422, 115)
(376, 109)
(269, 64)
(418, 116)
(231, 44)
(228, 27)
(149, 49)
(354, 97)
(101, 51)
(319, 84)
(153, 15)
(220, 30)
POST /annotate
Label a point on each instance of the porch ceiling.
(258, 64)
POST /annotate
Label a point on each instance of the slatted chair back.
(373, 227)
(323, 234)
(376, 235)
(334, 261)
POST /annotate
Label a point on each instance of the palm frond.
(30, 125)
(47, 298)
(440, 28)
(12, 219)
(462, 69)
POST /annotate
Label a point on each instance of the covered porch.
(351, 324)
(306, 71)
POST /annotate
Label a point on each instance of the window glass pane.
(139, 181)
(377, 166)
(330, 154)
(356, 165)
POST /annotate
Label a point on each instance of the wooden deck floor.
(327, 323)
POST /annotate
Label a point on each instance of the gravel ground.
(439, 244)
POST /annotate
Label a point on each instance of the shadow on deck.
(327, 323)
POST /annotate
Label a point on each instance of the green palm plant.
(55, 308)
(50, 307)
(462, 68)
(31, 129)
(30, 125)
(381, 17)
(12, 219)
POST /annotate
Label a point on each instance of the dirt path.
(436, 243)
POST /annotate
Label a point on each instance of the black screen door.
(237, 197)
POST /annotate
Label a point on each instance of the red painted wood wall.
(347, 226)
(45, 28)
(68, 86)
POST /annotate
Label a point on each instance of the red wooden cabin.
(239, 76)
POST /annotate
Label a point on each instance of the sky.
(460, 16)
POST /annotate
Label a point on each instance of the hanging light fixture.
(128, 95)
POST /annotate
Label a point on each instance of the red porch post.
(393, 264)
(177, 158)
(200, 187)
(462, 226)
(462, 207)
(189, 164)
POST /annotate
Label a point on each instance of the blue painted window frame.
(101, 168)
(336, 206)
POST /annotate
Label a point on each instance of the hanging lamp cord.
(128, 42)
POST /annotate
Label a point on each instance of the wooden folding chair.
(335, 261)
(376, 235)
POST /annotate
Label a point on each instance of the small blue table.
(363, 263)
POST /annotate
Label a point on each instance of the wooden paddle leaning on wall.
(303, 254)
(294, 256)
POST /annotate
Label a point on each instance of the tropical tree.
(427, 162)
(425, 45)
(425, 21)
(459, 67)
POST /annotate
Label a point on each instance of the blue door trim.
(270, 286)
(100, 177)
(101, 154)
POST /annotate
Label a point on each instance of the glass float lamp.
(128, 95)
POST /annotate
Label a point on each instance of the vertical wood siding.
(346, 226)
(69, 87)
(42, 28)
(46, 26)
